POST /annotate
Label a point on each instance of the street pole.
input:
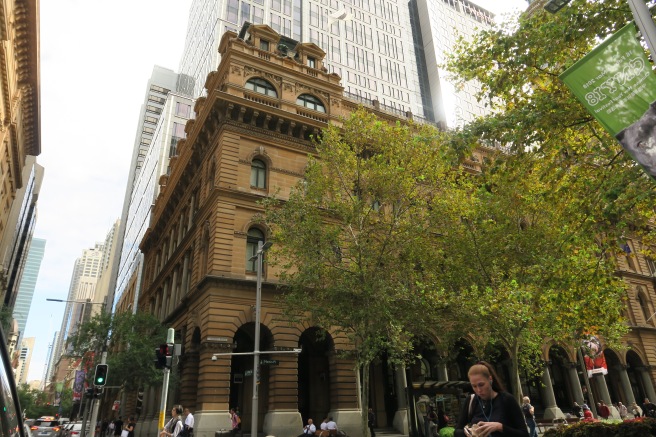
(645, 24)
(96, 404)
(592, 405)
(256, 347)
(170, 337)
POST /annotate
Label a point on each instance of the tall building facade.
(20, 136)
(166, 108)
(365, 41)
(24, 359)
(28, 283)
(84, 278)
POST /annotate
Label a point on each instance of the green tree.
(353, 240)
(130, 340)
(564, 163)
(525, 271)
(35, 403)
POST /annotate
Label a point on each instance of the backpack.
(184, 432)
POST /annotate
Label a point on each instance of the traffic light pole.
(96, 403)
(170, 337)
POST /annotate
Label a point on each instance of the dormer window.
(264, 45)
(261, 86)
(312, 63)
(310, 102)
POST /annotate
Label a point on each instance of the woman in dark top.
(491, 411)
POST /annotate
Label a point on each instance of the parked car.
(45, 427)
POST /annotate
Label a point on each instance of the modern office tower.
(367, 43)
(21, 134)
(85, 275)
(24, 358)
(45, 381)
(103, 286)
(441, 23)
(166, 108)
(21, 220)
(28, 283)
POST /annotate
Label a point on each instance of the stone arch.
(635, 368)
(613, 377)
(461, 359)
(559, 362)
(242, 373)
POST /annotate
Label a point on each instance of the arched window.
(261, 86)
(310, 102)
(644, 307)
(253, 238)
(258, 174)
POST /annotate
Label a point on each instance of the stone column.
(149, 411)
(213, 394)
(344, 406)
(551, 410)
(626, 386)
(647, 383)
(283, 417)
(400, 421)
(602, 388)
(575, 384)
(442, 372)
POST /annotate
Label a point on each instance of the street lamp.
(261, 248)
(554, 6)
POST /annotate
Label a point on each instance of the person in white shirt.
(189, 422)
(309, 429)
(324, 424)
(174, 426)
(331, 424)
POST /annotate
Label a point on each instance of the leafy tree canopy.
(131, 340)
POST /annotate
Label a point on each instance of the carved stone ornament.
(236, 70)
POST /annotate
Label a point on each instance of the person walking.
(189, 422)
(174, 426)
(118, 427)
(491, 410)
(529, 416)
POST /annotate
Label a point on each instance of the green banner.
(616, 84)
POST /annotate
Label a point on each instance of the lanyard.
(487, 416)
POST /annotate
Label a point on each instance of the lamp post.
(261, 248)
(86, 304)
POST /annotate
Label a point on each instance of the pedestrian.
(648, 409)
(491, 410)
(587, 414)
(130, 426)
(621, 408)
(189, 422)
(235, 421)
(371, 421)
(118, 426)
(603, 410)
(636, 410)
(577, 411)
(174, 426)
(308, 429)
(529, 416)
(331, 425)
(110, 429)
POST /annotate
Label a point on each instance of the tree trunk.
(517, 384)
(364, 396)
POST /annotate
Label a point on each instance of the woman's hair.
(526, 400)
(178, 409)
(486, 370)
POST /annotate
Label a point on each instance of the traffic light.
(100, 378)
(160, 358)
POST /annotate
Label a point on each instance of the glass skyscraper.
(28, 283)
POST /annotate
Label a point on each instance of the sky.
(96, 58)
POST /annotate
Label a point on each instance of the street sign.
(116, 406)
(265, 362)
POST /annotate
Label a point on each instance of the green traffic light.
(100, 380)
